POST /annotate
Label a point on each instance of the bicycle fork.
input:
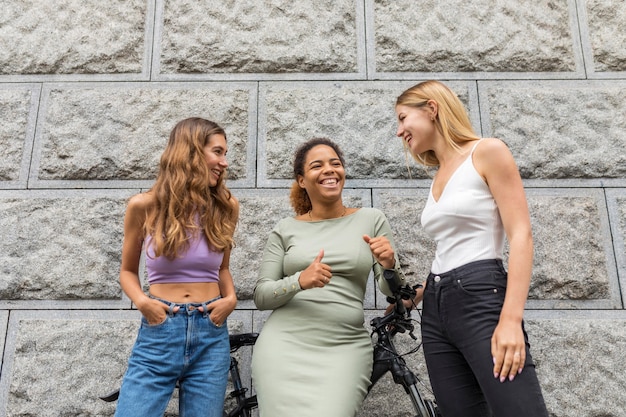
(385, 359)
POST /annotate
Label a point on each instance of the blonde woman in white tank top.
(475, 346)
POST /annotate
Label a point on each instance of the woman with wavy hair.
(475, 345)
(185, 225)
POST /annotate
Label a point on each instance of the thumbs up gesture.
(382, 250)
(316, 275)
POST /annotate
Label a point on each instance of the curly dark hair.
(299, 198)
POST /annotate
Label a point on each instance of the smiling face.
(416, 127)
(215, 154)
(324, 175)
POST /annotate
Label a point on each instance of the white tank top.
(465, 221)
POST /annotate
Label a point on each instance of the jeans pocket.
(145, 323)
(483, 284)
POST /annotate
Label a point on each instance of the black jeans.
(461, 309)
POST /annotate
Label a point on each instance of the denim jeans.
(461, 309)
(187, 347)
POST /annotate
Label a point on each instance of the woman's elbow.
(259, 300)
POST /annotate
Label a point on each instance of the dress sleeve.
(382, 228)
(273, 289)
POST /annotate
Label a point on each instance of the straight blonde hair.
(452, 120)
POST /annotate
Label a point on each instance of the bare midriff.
(186, 292)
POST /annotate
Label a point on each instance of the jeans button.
(437, 278)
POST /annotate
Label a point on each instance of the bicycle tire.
(432, 408)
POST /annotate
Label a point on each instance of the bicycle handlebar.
(399, 320)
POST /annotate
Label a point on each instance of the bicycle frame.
(386, 357)
(245, 404)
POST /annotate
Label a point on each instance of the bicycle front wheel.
(433, 410)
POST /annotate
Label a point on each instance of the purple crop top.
(198, 264)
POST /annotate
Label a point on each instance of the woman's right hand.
(153, 310)
(317, 275)
(419, 294)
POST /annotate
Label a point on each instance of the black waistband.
(476, 266)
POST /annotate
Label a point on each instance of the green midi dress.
(313, 357)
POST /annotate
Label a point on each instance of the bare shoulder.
(140, 203)
(493, 155)
(492, 145)
(492, 150)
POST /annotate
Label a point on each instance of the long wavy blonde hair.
(452, 120)
(185, 203)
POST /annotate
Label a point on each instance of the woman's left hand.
(219, 310)
(508, 349)
(382, 250)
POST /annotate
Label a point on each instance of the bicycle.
(386, 358)
(244, 403)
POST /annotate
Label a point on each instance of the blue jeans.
(461, 309)
(187, 347)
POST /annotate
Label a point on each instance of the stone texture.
(360, 118)
(259, 215)
(279, 36)
(4, 322)
(558, 130)
(570, 260)
(72, 37)
(120, 132)
(60, 248)
(580, 364)
(486, 35)
(618, 221)
(55, 362)
(14, 112)
(608, 39)
(622, 219)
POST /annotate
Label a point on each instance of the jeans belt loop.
(171, 309)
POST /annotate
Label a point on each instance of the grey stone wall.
(89, 91)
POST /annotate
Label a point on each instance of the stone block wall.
(89, 91)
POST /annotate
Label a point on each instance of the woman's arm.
(383, 246)
(153, 310)
(495, 163)
(222, 308)
(273, 289)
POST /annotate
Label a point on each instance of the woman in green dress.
(314, 355)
